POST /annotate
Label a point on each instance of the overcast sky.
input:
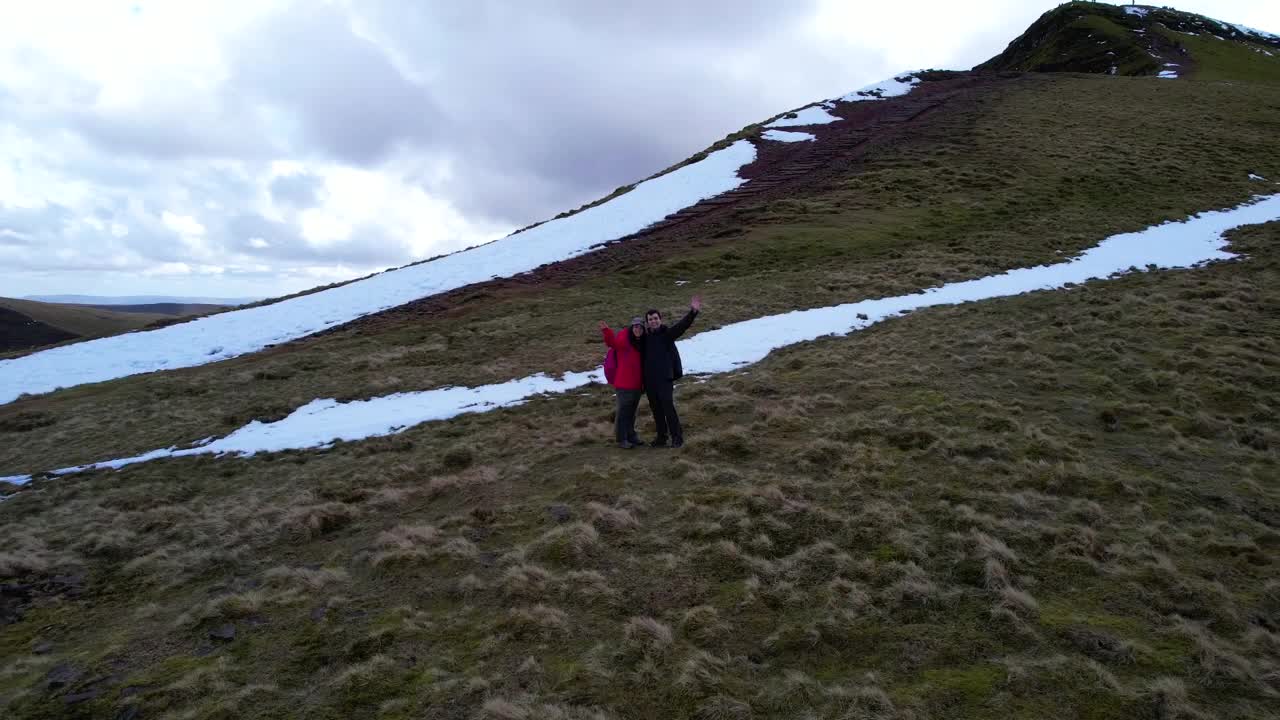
(257, 147)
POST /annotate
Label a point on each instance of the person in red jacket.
(627, 381)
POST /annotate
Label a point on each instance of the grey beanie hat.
(637, 320)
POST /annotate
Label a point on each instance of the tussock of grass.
(646, 636)
(567, 544)
(607, 519)
(225, 607)
(311, 521)
(539, 621)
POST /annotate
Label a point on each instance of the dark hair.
(652, 312)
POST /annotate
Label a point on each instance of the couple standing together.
(648, 362)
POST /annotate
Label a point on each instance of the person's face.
(654, 321)
(637, 330)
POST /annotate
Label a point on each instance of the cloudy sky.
(256, 147)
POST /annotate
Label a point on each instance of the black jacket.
(658, 354)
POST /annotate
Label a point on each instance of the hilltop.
(1057, 503)
(1088, 37)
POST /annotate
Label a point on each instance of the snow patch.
(1252, 176)
(813, 115)
(1168, 74)
(321, 422)
(1251, 31)
(893, 87)
(1139, 11)
(16, 479)
(230, 334)
(788, 136)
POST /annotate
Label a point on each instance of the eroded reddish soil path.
(781, 170)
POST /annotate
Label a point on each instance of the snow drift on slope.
(787, 137)
(893, 87)
(230, 334)
(321, 422)
(814, 115)
(817, 114)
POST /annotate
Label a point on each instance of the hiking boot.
(626, 445)
(677, 443)
(658, 443)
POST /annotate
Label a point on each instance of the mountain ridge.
(1132, 40)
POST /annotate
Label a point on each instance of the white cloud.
(169, 268)
(182, 224)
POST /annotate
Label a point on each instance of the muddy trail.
(781, 170)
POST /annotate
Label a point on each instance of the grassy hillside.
(1057, 504)
(1109, 39)
(30, 324)
(17, 331)
(83, 320)
(1018, 174)
(1056, 501)
(25, 324)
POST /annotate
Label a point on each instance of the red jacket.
(629, 375)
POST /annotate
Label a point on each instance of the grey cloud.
(350, 100)
(156, 134)
(26, 222)
(365, 246)
(217, 124)
(534, 110)
(297, 191)
(556, 104)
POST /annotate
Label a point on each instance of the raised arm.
(606, 333)
(675, 331)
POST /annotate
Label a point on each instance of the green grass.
(853, 583)
(1225, 60)
(1042, 167)
(81, 319)
(1102, 38)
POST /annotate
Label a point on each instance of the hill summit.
(1090, 37)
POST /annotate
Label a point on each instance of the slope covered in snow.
(235, 333)
(321, 422)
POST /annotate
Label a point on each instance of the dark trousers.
(624, 423)
(662, 403)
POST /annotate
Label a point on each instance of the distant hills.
(137, 300)
(26, 323)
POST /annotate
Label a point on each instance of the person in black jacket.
(661, 365)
